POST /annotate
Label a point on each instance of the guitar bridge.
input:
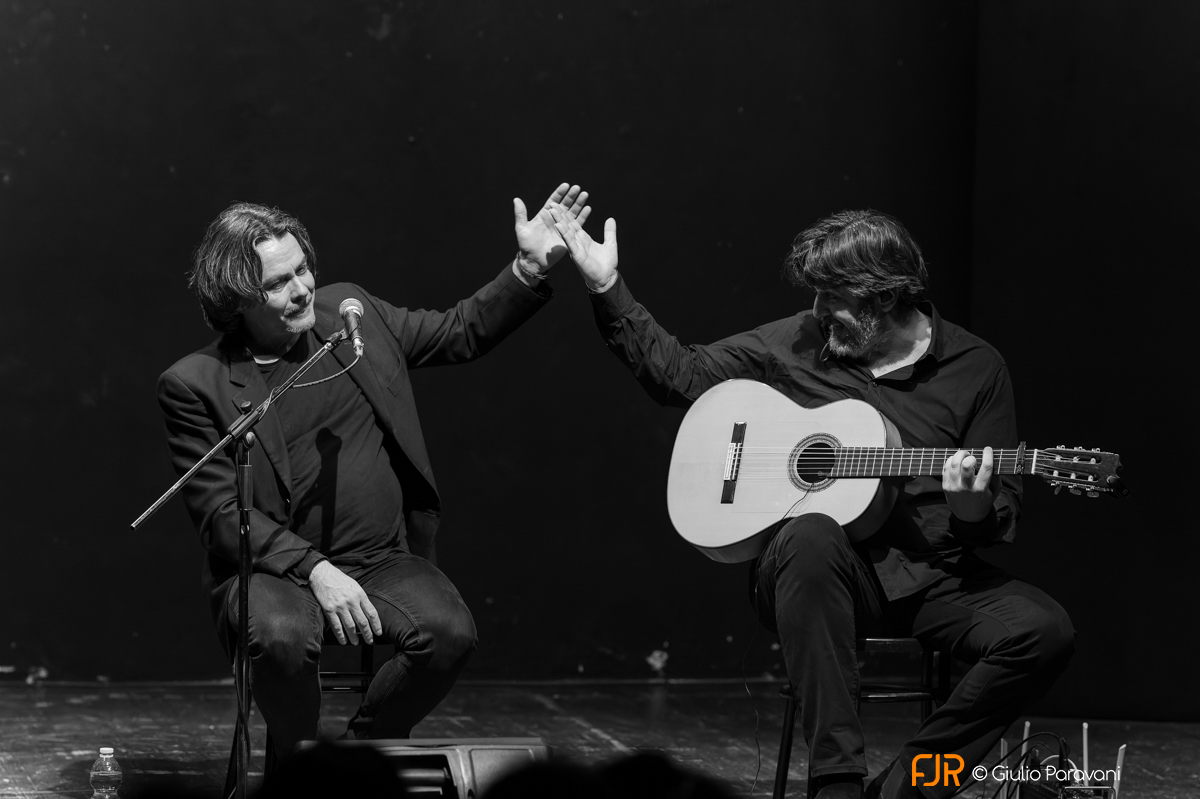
(733, 462)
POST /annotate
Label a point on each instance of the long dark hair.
(862, 252)
(226, 273)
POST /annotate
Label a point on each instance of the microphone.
(351, 311)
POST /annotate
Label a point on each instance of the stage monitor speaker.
(457, 768)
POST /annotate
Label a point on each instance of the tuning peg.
(1057, 488)
(1076, 491)
(1117, 485)
(1095, 449)
(1093, 494)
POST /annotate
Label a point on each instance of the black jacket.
(200, 397)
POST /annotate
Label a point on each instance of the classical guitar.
(747, 457)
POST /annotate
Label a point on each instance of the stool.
(926, 693)
(332, 682)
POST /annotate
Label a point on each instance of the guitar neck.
(903, 462)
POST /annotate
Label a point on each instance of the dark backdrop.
(1083, 275)
(1043, 158)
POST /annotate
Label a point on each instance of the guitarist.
(871, 335)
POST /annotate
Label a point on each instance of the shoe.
(892, 783)
(875, 787)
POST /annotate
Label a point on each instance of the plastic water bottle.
(106, 775)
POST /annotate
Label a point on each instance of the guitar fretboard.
(900, 462)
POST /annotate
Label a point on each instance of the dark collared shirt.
(956, 395)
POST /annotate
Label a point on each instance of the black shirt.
(348, 502)
(957, 395)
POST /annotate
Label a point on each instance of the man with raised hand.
(871, 335)
(345, 506)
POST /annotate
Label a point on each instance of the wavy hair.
(226, 273)
(862, 252)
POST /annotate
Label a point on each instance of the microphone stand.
(241, 433)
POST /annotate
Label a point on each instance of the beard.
(303, 321)
(857, 339)
(302, 326)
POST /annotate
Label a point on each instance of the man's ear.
(887, 299)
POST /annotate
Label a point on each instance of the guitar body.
(733, 524)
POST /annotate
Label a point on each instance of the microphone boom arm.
(242, 426)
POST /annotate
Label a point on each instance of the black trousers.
(819, 595)
(421, 613)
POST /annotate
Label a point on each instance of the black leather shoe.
(875, 786)
(892, 783)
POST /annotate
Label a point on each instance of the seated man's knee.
(810, 541)
(1043, 638)
(449, 635)
(283, 643)
(1056, 638)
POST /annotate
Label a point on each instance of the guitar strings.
(764, 463)
(876, 452)
(862, 454)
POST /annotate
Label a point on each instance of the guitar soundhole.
(811, 462)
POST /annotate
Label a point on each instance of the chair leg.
(927, 684)
(366, 665)
(945, 662)
(785, 747)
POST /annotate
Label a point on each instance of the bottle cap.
(106, 750)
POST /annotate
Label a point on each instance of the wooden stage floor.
(173, 739)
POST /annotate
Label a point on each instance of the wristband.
(532, 274)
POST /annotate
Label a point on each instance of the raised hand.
(348, 611)
(596, 262)
(969, 493)
(539, 244)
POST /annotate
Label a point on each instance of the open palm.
(596, 261)
(537, 239)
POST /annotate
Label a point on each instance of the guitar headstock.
(1082, 471)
